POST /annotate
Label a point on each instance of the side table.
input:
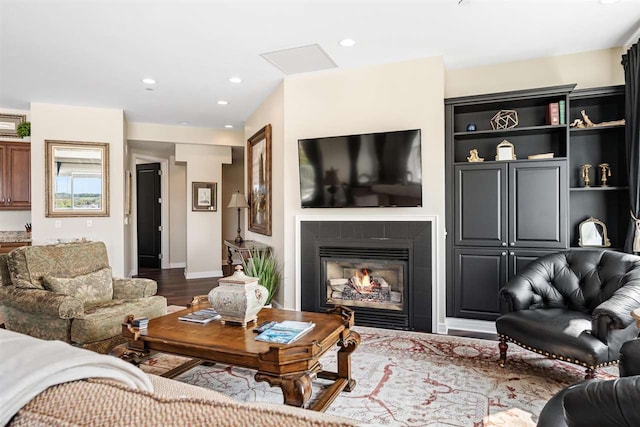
(243, 249)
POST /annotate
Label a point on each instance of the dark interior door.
(148, 208)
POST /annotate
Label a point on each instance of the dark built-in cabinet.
(596, 145)
(501, 215)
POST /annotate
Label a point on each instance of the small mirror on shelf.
(505, 151)
(593, 233)
(77, 179)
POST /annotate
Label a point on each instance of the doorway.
(149, 215)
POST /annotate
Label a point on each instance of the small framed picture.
(9, 124)
(505, 151)
(204, 196)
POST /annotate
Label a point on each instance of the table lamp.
(238, 201)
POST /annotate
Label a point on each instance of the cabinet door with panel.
(520, 258)
(538, 204)
(479, 275)
(15, 175)
(480, 205)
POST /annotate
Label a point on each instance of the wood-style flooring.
(175, 288)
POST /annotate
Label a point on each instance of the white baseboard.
(484, 326)
(276, 305)
(178, 265)
(131, 274)
(202, 274)
(442, 328)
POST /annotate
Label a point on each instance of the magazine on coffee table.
(204, 316)
(285, 332)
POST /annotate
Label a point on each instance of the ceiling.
(95, 53)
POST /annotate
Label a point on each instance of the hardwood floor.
(175, 288)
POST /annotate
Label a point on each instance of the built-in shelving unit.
(596, 145)
(501, 215)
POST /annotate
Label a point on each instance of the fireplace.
(365, 283)
(385, 278)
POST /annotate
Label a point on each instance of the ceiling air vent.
(301, 59)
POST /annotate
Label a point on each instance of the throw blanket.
(28, 366)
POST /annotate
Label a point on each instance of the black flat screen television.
(359, 171)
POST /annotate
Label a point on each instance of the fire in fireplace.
(362, 283)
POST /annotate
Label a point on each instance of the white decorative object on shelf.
(238, 298)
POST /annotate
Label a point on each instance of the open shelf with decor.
(606, 198)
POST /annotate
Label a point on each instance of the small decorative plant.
(263, 265)
(23, 129)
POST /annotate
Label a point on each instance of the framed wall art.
(76, 179)
(9, 124)
(259, 171)
(204, 197)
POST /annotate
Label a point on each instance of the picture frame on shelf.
(505, 151)
(259, 172)
(9, 124)
(593, 233)
(204, 197)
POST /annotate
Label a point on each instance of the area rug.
(416, 379)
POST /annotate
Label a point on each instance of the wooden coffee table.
(291, 367)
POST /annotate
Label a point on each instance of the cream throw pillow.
(90, 288)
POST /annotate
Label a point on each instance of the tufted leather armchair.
(573, 306)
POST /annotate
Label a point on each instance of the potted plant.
(23, 129)
(263, 265)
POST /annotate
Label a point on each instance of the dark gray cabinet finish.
(515, 204)
(538, 204)
(480, 205)
(478, 276)
(480, 273)
(502, 214)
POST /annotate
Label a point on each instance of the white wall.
(177, 213)
(127, 263)
(233, 179)
(14, 220)
(204, 229)
(405, 95)
(587, 69)
(183, 134)
(66, 123)
(271, 111)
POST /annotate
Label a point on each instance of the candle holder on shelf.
(585, 175)
(605, 171)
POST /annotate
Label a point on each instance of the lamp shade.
(238, 201)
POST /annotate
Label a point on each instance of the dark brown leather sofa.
(573, 306)
(600, 403)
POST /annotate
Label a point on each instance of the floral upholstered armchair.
(66, 292)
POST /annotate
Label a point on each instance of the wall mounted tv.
(358, 171)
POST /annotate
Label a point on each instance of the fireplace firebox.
(381, 270)
(365, 283)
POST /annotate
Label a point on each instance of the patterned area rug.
(416, 379)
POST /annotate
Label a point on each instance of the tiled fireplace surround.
(331, 237)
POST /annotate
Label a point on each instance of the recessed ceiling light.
(608, 1)
(229, 126)
(235, 79)
(347, 42)
(223, 102)
(183, 123)
(148, 81)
